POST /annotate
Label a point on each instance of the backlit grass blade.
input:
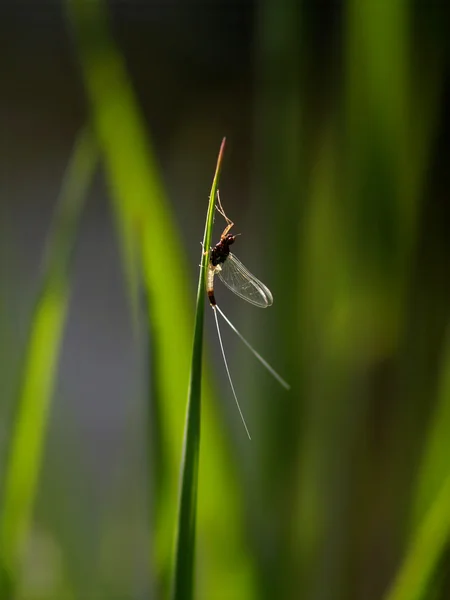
(183, 579)
(40, 365)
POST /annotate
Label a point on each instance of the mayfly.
(239, 280)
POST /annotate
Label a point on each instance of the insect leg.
(220, 210)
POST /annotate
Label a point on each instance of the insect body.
(219, 254)
(232, 272)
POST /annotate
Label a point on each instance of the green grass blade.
(146, 232)
(431, 518)
(425, 550)
(185, 540)
(40, 364)
(435, 465)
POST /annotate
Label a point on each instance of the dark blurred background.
(336, 173)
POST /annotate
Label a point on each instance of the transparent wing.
(240, 281)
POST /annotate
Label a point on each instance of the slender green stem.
(183, 576)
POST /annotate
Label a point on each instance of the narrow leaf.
(185, 540)
(40, 365)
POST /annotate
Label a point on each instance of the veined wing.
(240, 281)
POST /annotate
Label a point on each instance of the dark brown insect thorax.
(220, 252)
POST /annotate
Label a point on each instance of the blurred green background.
(336, 173)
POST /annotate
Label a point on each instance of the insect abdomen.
(210, 285)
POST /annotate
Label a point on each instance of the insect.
(239, 280)
(232, 272)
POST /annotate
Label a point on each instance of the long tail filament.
(271, 370)
(228, 370)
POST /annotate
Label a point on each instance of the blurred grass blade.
(142, 208)
(40, 363)
(145, 223)
(435, 464)
(425, 550)
(431, 518)
(185, 541)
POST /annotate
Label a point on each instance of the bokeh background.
(336, 173)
